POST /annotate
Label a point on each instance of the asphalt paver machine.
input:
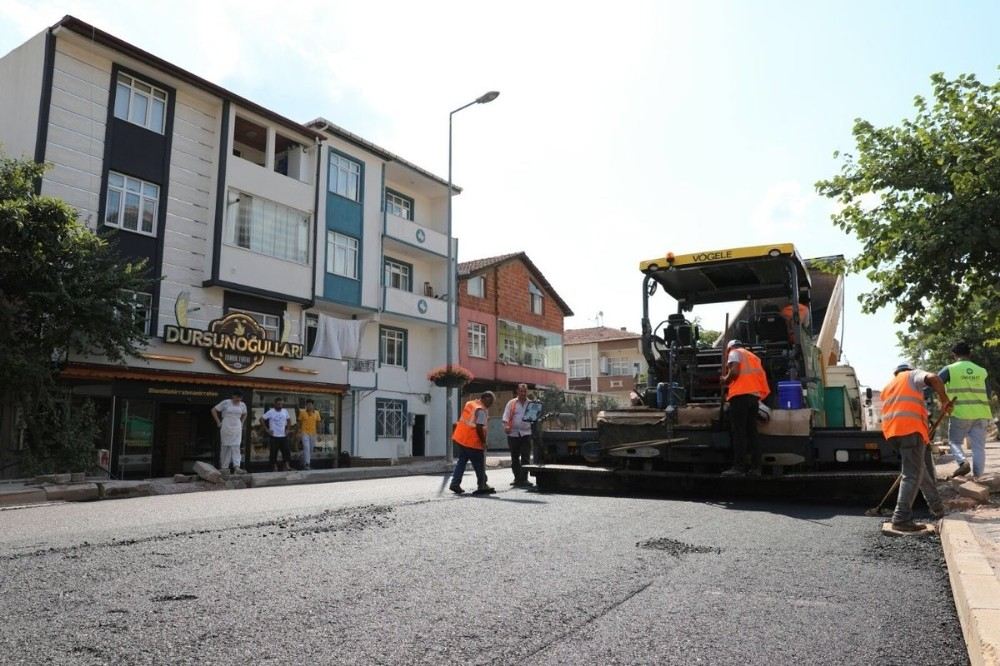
(676, 434)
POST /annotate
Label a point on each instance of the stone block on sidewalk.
(960, 504)
(15, 495)
(991, 481)
(207, 472)
(975, 491)
(236, 484)
(183, 478)
(123, 489)
(77, 492)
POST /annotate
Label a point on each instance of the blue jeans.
(478, 459)
(975, 430)
(918, 474)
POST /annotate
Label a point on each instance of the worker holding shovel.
(904, 424)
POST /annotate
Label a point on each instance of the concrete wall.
(21, 72)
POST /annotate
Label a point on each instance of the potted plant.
(450, 376)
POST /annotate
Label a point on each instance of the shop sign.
(236, 342)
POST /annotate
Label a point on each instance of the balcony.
(397, 301)
(361, 373)
(415, 235)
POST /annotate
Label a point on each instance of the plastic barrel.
(790, 395)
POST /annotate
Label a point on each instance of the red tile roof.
(579, 336)
(470, 268)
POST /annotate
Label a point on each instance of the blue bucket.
(790, 395)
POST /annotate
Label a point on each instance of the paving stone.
(960, 504)
(77, 492)
(974, 490)
(207, 472)
(183, 478)
(124, 489)
(14, 495)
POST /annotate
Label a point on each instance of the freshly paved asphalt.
(394, 571)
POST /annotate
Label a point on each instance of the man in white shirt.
(276, 422)
(518, 435)
(229, 416)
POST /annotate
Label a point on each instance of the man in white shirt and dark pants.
(518, 435)
(276, 422)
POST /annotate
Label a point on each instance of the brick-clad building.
(510, 324)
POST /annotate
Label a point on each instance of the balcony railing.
(361, 364)
(361, 373)
(407, 303)
(416, 235)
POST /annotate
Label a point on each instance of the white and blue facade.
(238, 211)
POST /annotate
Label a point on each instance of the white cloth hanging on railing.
(338, 338)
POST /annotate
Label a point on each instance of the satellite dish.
(181, 308)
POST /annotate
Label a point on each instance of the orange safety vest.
(751, 377)
(904, 411)
(465, 430)
(786, 312)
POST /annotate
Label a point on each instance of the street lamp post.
(449, 410)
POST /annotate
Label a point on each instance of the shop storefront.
(161, 423)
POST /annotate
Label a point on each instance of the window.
(269, 322)
(398, 205)
(536, 298)
(392, 346)
(345, 177)
(131, 204)
(619, 366)
(398, 275)
(142, 308)
(312, 326)
(140, 103)
(268, 228)
(476, 286)
(530, 346)
(250, 141)
(288, 156)
(341, 255)
(477, 340)
(579, 368)
(390, 418)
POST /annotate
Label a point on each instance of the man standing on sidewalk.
(518, 435)
(309, 421)
(276, 420)
(966, 385)
(904, 424)
(470, 436)
(229, 416)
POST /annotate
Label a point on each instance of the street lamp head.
(488, 97)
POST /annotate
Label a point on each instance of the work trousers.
(918, 474)
(520, 454)
(975, 430)
(230, 455)
(478, 459)
(286, 453)
(743, 424)
(308, 441)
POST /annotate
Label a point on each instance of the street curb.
(976, 589)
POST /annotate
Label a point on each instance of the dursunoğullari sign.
(236, 342)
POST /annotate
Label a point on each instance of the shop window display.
(327, 445)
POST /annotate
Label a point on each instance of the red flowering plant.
(450, 375)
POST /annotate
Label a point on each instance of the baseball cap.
(734, 343)
(901, 367)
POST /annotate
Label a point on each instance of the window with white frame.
(341, 255)
(392, 346)
(619, 366)
(345, 177)
(477, 339)
(266, 227)
(579, 368)
(131, 204)
(390, 418)
(398, 275)
(476, 286)
(510, 351)
(269, 322)
(142, 308)
(398, 205)
(140, 103)
(536, 298)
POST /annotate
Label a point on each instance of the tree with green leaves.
(64, 291)
(923, 198)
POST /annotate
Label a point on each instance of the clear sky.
(623, 130)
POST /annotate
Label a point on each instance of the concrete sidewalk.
(29, 492)
(971, 542)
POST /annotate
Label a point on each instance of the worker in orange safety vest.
(470, 436)
(904, 424)
(746, 385)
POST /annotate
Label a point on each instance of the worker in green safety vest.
(966, 385)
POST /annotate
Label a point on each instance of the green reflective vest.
(967, 387)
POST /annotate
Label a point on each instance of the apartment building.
(510, 320)
(288, 260)
(603, 360)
